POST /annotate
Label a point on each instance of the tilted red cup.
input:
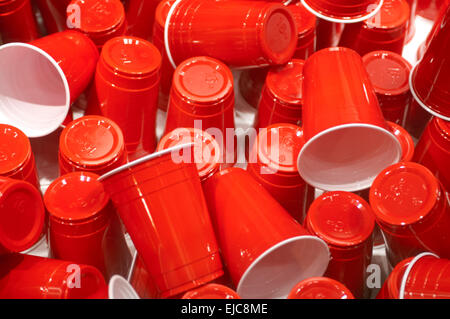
(412, 211)
(430, 78)
(140, 15)
(433, 150)
(17, 21)
(57, 67)
(391, 286)
(161, 228)
(320, 288)
(389, 74)
(345, 222)
(347, 139)
(211, 291)
(53, 14)
(22, 215)
(33, 277)
(239, 33)
(256, 235)
(306, 31)
(93, 144)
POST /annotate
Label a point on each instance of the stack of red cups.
(17, 21)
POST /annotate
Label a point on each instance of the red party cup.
(344, 11)
(140, 15)
(328, 33)
(126, 89)
(256, 235)
(211, 291)
(273, 163)
(93, 144)
(429, 9)
(391, 286)
(32, 277)
(345, 222)
(162, 228)
(141, 280)
(79, 213)
(239, 33)
(16, 156)
(412, 211)
(347, 139)
(22, 215)
(430, 78)
(387, 30)
(306, 31)
(17, 21)
(433, 150)
(406, 141)
(99, 20)
(53, 14)
(206, 151)
(320, 288)
(412, 19)
(58, 68)
(282, 96)
(389, 74)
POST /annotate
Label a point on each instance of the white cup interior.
(34, 93)
(274, 273)
(347, 157)
(120, 288)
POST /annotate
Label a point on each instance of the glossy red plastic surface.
(391, 286)
(140, 17)
(239, 33)
(306, 31)
(412, 18)
(405, 140)
(211, 291)
(54, 14)
(343, 9)
(320, 288)
(429, 9)
(17, 21)
(142, 282)
(49, 279)
(328, 33)
(162, 228)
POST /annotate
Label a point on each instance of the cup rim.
(166, 33)
(118, 283)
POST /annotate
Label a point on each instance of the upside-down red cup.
(33, 277)
(273, 163)
(53, 14)
(99, 20)
(205, 152)
(320, 288)
(17, 21)
(57, 67)
(256, 235)
(387, 30)
(433, 150)
(211, 291)
(239, 33)
(347, 139)
(282, 95)
(93, 144)
(79, 213)
(140, 17)
(391, 286)
(343, 11)
(126, 89)
(389, 74)
(429, 9)
(306, 31)
(412, 211)
(345, 222)
(16, 156)
(430, 78)
(162, 228)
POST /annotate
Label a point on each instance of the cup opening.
(347, 157)
(34, 93)
(274, 273)
(119, 288)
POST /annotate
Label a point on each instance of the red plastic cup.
(22, 215)
(32, 277)
(282, 96)
(141, 280)
(16, 156)
(206, 151)
(433, 150)
(140, 15)
(162, 228)
(429, 9)
(99, 20)
(273, 163)
(412, 19)
(328, 34)
(53, 14)
(256, 235)
(211, 291)
(430, 78)
(412, 211)
(345, 222)
(387, 30)
(57, 67)
(126, 89)
(406, 141)
(391, 286)
(343, 11)
(239, 33)
(17, 22)
(93, 144)
(347, 139)
(306, 31)
(79, 213)
(389, 74)
(320, 288)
